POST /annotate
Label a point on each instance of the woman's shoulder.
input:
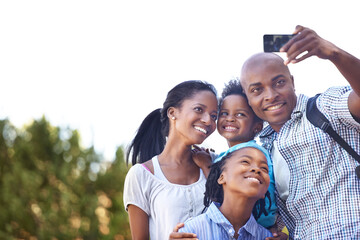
(149, 166)
(139, 170)
(143, 173)
(138, 179)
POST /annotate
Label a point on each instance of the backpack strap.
(319, 120)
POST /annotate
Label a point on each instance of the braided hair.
(214, 191)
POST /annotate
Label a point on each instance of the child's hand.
(202, 158)
(184, 236)
(278, 236)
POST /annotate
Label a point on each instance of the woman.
(167, 187)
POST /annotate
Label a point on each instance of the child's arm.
(202, 158)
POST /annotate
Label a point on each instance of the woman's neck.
(175, 152)
(177, 165)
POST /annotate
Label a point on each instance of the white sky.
(102, 66)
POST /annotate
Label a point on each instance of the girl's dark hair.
(214, 191)
(233, 87)
(151, 136)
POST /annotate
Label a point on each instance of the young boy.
(237, 122)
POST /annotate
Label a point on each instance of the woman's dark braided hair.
(214, 191)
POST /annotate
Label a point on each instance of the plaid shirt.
(212, 225)
(324, 192)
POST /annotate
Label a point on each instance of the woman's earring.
(173, 118)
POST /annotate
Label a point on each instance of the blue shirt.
(324, 192)
(270, 206)
(212, 225)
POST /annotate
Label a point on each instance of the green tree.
(52, 188)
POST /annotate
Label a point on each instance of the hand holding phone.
(273, 42)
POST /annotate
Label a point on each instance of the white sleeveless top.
(166, 203)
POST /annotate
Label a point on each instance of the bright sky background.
(102, 66)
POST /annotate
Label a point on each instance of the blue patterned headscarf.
(252, 144)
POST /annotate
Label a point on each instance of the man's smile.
(274, 107)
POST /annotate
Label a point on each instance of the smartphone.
(273, 42)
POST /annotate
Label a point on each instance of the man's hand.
(308, 43)
(184, 236)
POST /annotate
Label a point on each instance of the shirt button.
(191, 210)
(189, 190)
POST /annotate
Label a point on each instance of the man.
(318, 191)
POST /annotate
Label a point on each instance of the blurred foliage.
(52, 188)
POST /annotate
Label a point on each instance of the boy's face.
(246, 172)
(236, 120)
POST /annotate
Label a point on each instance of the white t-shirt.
(165, 203)
(281, 172)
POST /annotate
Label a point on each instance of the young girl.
(167, 187)
(236, 181)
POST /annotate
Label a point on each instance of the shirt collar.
(216, 216)
(300, 106)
